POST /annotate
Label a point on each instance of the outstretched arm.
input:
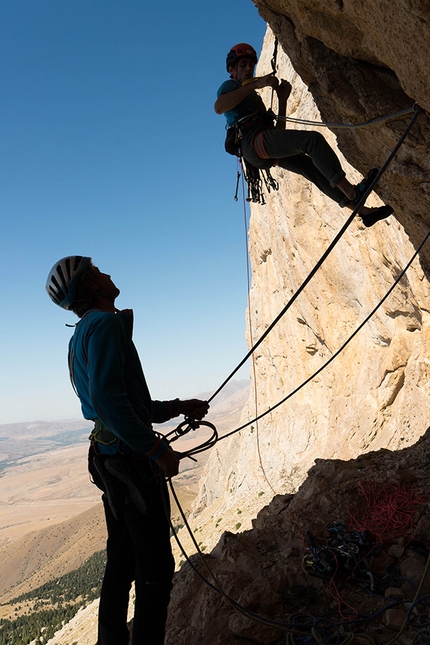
(229, 100)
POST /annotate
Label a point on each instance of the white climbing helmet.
(63, 279)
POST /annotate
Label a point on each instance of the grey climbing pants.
(306, 153)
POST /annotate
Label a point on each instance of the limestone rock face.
(376, 393)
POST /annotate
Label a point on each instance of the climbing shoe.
(364, 184)
(381, 213)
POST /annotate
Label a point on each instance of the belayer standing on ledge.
(263, 145)
(126, 459)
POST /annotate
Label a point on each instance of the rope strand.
(349, 126)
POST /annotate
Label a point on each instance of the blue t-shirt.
(251, 104)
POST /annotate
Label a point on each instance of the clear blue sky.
(111, 148)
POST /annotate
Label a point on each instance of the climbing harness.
(254, 177)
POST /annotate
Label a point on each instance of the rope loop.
(184, 428)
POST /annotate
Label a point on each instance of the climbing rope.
(326, 253)
(389, 510)
(317, 632)
(211, 442)
(273, 62)
(328, 124)
(184, 428)
(349, 126)
(216, 586)
(248, 277)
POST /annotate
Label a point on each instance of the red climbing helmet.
(237, 51)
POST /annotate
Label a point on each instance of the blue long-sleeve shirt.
(108, 376)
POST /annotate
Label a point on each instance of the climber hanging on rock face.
(264, 145)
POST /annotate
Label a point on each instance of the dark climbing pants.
(306, 153)
(138, 548)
